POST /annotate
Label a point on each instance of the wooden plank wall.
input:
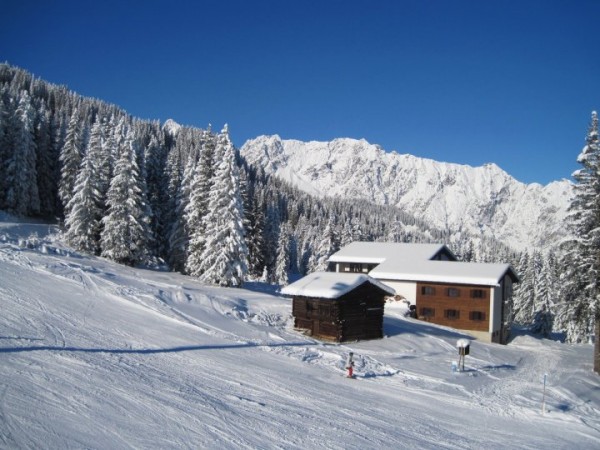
(463, 303)
(354, 316)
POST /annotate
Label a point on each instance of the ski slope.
(97, 355)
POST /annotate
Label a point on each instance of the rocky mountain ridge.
(482, 200)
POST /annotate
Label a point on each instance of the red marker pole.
(350, 364)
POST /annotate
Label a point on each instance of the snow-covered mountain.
(103, 356)
(479, 200)
(171, 127)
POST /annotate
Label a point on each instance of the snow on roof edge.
(331, 285)
(478, 281)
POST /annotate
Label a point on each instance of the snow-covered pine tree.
(255, 238)
(22, 195)
(585, 219)
(282, 264)
(155, 156)
(543, 316)
(70, 159)
(395, 232)
(271, 233)
(357, 230)
(197, 208)
(524, 295)
(5, 117)
(346, 237)
(328, 245)
(126, 232)
(174, 174)
(179, 234)
(46, 161)
(86, 207)
(225, 257)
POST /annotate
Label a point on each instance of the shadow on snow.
(151, 351)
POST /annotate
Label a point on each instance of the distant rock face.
(480, 200)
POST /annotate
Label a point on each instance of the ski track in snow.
(129, 358)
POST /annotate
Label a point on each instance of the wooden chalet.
(339, 307)
(471, 297)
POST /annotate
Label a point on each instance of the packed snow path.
(97, 355)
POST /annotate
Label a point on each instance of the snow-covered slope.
(97, 355)
(448, 196)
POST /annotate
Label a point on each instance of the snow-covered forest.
(140, 192)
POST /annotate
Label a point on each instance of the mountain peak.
(171, 127)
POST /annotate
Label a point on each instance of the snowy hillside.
(97, 355)
(448, 196)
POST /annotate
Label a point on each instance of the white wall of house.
(479, 335)
(496, 309)
(407, 289)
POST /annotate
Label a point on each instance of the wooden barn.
(339, 306)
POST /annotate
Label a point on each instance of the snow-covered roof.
(331, 285)
(443, 272)
(378, 252)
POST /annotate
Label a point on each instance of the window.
(427, 290)
(453, 292)
(477, 293)
(428, 312)
(356, 268)
(477, 315)
(452, 314)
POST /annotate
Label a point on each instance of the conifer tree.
(70, 159)
(525, 291)
(5, 117)
(126, 233)
(255, 237)
(224, 260)
(22, 195)
(328, 245)
(543, 316)
(585, 219)
(179, 234)
(155, 156)
(282, 264)
(46, 162)
(197, 208)
(86, 207)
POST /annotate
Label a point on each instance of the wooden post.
(544, 396)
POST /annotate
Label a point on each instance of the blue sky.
(510, 82)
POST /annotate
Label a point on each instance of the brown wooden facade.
(458, 306)
(356, 315)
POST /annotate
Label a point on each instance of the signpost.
(463, 350)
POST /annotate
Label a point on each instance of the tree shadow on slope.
(151, 351)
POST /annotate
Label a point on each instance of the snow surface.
(97, 355)
(331, 285)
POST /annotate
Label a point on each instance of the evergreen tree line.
(140, 193)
